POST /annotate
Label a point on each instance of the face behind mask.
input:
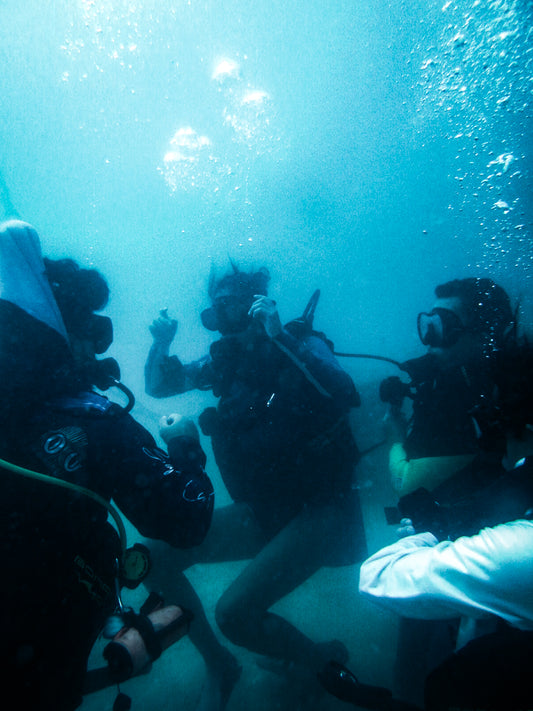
(227, 315)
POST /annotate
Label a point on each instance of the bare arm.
(163, 330)
(166, 375)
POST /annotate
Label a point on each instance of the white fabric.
(490, 573)
(22, 278)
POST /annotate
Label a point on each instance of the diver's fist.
(163, 328)
(265, 310)
(172, 426)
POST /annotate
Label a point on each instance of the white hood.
(22, 274)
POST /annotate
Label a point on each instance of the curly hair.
(242, 284)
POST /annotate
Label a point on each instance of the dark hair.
(242, 284)
(488, 305)
(78, 292)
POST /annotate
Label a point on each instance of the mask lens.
(221, 316)
(440, 328)
(430, 330)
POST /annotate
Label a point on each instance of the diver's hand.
(265, 310)
(405, 528)
(174, 425)
(163, 328)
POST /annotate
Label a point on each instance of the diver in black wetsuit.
(471, 320)
(284, 447)
(470, 559)
(59, 554)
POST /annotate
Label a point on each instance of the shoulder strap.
(84, 402)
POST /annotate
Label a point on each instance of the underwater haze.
(371, 149)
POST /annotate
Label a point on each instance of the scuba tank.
(302, 327)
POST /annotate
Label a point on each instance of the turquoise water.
(370, 148)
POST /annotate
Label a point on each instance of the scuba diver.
(470, 559)
(65, 452)
(474, 559)
(282, 441)
(471, 320)
(438, 448)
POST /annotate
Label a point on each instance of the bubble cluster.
(247, 110)
(120, 40)
(189, 162)
(242, 121)
(477, 79)
(103, 31)
(480, 63)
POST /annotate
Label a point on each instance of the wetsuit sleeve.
(316, 361)
(166, 375)
(490, 573)
(169, 500)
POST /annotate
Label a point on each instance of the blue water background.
(373, 149)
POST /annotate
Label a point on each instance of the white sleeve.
(489, 573)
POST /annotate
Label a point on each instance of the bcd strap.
(145, 628)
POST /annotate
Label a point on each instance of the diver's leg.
(421, 646)
(232, 536)
(289, 559)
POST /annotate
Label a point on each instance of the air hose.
(368, 357)
(306, 321)
(37, 476)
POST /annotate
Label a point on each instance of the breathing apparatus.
(104, 374)
(137, 639)
(79, 293)
(303, 326)
(134, 563)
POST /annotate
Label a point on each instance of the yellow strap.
(72, 487)
(409, 474)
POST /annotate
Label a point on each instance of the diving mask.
(440, 328)
(228, 314)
